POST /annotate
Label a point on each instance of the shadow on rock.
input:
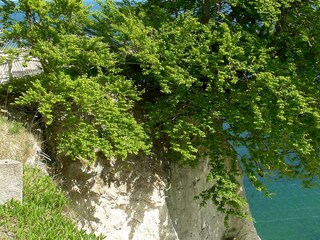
(120, 198)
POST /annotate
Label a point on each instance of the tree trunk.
(206, 11)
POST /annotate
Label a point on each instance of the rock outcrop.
(138, 199)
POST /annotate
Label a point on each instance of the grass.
(43, 213)
(15, 141)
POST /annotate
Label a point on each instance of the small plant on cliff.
(42, 214)
(198, 77)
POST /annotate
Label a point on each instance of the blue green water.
(292, 214)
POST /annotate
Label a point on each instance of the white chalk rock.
(11, 183)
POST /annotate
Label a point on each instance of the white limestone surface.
(138, 198)
(120, 199)
(11, 183)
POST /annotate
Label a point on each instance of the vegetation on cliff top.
(131, 75)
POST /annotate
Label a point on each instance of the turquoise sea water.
(293, 213)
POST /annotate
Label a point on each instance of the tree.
(199, 77)
(81, 97)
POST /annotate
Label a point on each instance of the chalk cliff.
(139, 198)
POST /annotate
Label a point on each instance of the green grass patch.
(15, 128)
(43, 214)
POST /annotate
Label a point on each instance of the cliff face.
(137, 199)
(190, 221)
(121, 199)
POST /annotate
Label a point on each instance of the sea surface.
(293, 213)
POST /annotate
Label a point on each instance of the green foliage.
(199, 78)
(42, 214)
(81, 94)
(87, 114)
(15, 128)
